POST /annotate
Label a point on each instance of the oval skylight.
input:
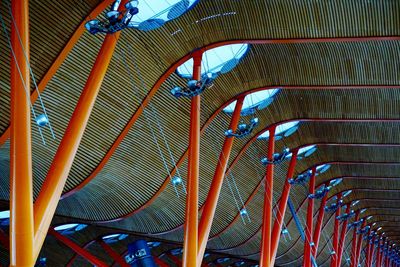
(323, 168)
(70, 228)
(153, 14)
(257, 100)
(217, 60)
(285, 129)
(348, 192)
(113, 238)
(304, 152)
(335, 182)
(4, 214)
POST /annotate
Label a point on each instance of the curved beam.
(173, 67)
(241, 152)
(80, 30)
(300, 205)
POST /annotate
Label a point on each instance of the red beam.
(354, 242)
(114, 255)
(318, 227)
(82, 252)
(309, 223)
(210, 204)
(265, 258)
(336, 235)
(277, 228)
(190, 243)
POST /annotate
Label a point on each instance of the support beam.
(354, 242)
(212, 198)
(342, 237)
(191, 215)
(318, 226)
(280, 214)
(82, 252)
(53, 185)
(265, 259)
(21, 196)
(335, 242)
(114, 255)
(309, 224)
(359, 245)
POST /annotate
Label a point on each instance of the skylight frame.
(250, 108)
(185, 70)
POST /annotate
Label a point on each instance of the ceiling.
(338, 69)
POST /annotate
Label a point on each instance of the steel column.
(216, 184)
(280, 214)
(265, 259)
(114, 255)
(318, 226)
(342, 237)
(309, 223)
(53, 185)
(21, 197)
(191, 213)
(354, 242)
(82, 252)
(335, 241)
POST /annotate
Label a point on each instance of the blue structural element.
(139, 255)
(299, 226)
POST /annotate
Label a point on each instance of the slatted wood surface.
(135, 172)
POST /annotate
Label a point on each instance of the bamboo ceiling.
(120, 184)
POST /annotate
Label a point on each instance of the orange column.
(21, 197)
(309, 226)
(114, 255)
(215, 188)
(53, 185)
(265, 259)
(277, 228)
(190, 243)
(81, 251)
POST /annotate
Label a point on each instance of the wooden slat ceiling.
(132, 187)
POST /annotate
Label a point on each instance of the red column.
(359, 245)
(114, 255)
(82, 252)
(190, 243)
(371, 252)
(277, 229)
(265, 258)
(336, 234)
(343, 237)
(175, 259)
(378, 255)
(318, 226)
(367, 249)
(309, 225)
(215, 188)
(354, 242)
(159, 262)
(21, 196)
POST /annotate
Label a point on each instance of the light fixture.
(116, 21)
(301, 178)
(276, 157)
(176, 180)
(194, 87)
(42, 120)
(243, 129)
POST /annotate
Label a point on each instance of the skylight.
(285, 129)
(217, 60)
(4, 214)
(153, 14)
(323, 168)
(304, 152)
(258, 100)
(348, 192)
(69, 228)
(113, 238)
